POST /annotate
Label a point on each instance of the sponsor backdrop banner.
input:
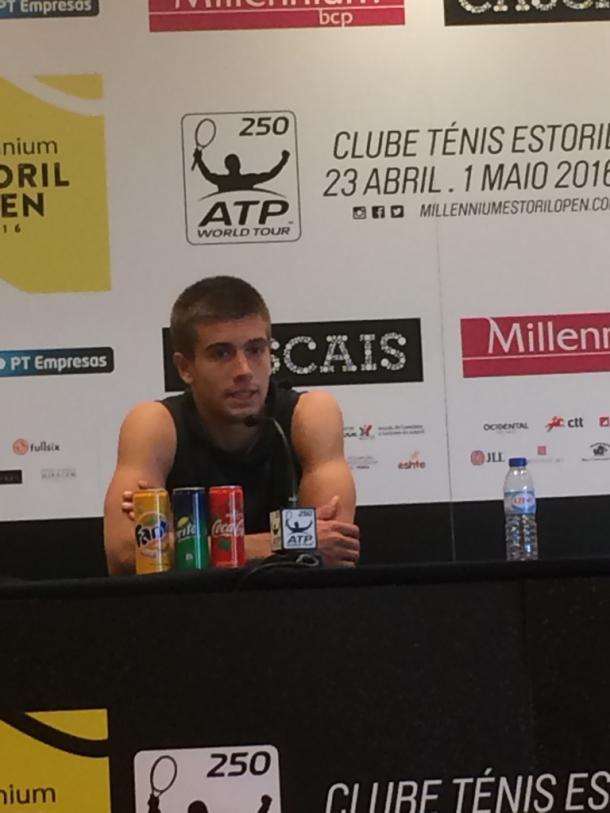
(423, 200)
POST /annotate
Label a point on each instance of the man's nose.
(242, 365)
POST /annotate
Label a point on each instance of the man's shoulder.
(316, 406)
(147, 440)
(149, 419)
(317, 427)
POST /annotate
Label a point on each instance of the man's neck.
(230, 436)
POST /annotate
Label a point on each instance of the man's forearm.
(258, 546)
(120, 558)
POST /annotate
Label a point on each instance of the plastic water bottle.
(520, 512)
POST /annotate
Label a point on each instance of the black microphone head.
(253, 420)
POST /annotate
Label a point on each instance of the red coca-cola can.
(226, 510)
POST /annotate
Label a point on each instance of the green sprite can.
(190, 528)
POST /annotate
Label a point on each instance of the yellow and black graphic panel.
(55, 760)
(53, 199)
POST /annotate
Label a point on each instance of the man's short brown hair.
(212, 299)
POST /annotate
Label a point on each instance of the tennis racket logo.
(241, 177)
(163, 774)
(204, 135)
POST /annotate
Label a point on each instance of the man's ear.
(184, 366)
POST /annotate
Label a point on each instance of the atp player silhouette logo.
(163, 775)
(297, 528)
(234, 180)
(229, 161)
(240, 779)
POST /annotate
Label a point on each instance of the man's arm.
(262, 177)
(327, 482)
(209, 176)
(147, 446)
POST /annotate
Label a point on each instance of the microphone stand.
(309, 557)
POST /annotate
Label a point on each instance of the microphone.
(259, 420)
(293, 529)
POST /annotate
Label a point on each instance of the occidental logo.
(535, 345)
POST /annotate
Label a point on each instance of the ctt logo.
(557, 422)
(241, 178)
(483, 12)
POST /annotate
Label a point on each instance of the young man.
(221, 329)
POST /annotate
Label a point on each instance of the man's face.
(229, 372)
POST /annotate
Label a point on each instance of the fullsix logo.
(381, 351)
(241, 179)
(535, 345)
(22, 446)
(62, 361)
(483, 12)
(28, 9)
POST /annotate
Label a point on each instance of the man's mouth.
(242, 394)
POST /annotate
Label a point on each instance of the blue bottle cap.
(517, 462)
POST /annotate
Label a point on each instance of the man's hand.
(338, 542)
(127, 499)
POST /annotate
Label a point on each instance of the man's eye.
(257, 349)
(220, 353)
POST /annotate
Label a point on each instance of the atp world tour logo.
(241, 179)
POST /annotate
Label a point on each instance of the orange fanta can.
(152, 521)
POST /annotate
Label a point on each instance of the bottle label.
(520, 502)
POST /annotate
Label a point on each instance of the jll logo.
(535, 345)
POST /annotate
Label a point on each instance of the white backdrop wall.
(495, 250)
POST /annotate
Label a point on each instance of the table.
(361, 680)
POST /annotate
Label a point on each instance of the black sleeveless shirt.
(261, 471)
